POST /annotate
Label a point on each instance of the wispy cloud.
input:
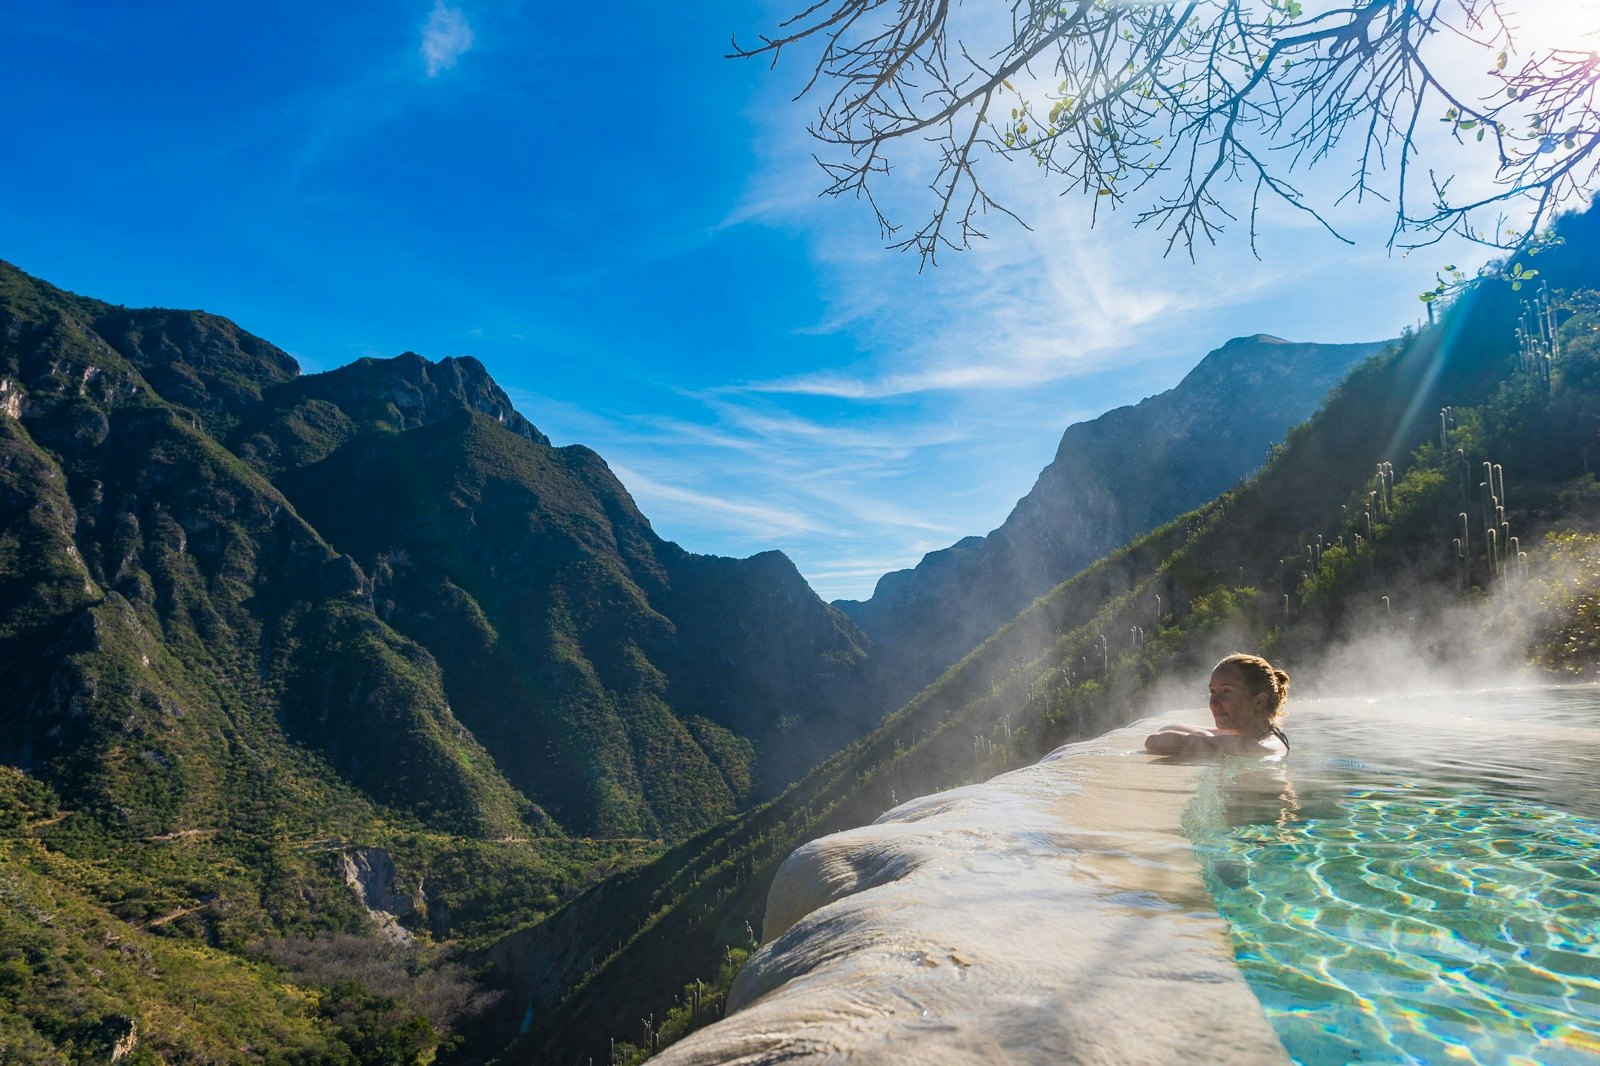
(855, 579)
(446, 37)
(753, 518)
(789, 430)
(309, 123)
(981, 375)
(746, 476)
(1028, 308)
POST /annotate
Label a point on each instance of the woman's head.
(1247, 694)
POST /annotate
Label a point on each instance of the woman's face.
(1231, 702)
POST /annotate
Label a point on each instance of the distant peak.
(1263, 353)
(1238, 346)
(464, 367)
(775, 559)
(427, 390)
(470, 363)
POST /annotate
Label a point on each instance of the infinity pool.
(1420, 880)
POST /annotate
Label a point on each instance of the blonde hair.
(1261, 676)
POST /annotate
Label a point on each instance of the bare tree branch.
(1178, 101)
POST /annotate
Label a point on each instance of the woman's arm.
(1171, 739)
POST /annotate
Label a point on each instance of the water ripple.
(1426, 890)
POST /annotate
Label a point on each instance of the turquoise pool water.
(1420, 880)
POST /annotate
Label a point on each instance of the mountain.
(384, 566)
(1113, 478)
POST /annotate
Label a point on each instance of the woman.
(1247, 696)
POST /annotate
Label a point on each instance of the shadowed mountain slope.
(621, 683)
(261, 632)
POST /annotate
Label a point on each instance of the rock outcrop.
(1053, 914)
(371, 875)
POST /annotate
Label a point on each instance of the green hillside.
(231, 709)
(1246, 570)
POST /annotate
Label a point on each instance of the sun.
(1541, 26)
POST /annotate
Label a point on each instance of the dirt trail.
(183, 834)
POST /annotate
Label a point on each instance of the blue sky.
(624, 227)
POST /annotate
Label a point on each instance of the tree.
(1174, 103)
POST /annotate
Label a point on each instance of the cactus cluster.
(1380, 500)
(1538, 343)
(1502, 552)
